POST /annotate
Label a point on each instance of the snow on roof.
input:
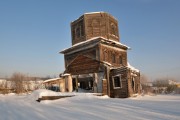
(116, 42)
(132, 68)
(107, 40)
(79, 18)
(50, 80)
(96, 38)
(94, 12)
(66, 74)
(80, 43)
(133, 74)
(106, 63)
(99, 12)
(86, 14)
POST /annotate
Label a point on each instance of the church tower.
(96, 24)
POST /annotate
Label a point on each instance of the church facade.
(97, 61)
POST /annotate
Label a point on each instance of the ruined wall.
(133, 83)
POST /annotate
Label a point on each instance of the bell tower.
(95, 24)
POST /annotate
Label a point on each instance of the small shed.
(61, 84)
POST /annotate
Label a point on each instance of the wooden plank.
(104, 82)
(52, 97)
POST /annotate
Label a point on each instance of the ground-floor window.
(117, 81)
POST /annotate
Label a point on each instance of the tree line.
(18, 83)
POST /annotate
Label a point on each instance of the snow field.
(86, 106)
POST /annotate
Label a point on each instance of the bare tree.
(144, 79)
(160, 83)
(163, 86)
(3, 87)
(146, 84)
(171, 88)
(17, 82)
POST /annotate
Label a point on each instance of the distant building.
(97, 61)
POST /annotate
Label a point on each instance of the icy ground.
(86, 106)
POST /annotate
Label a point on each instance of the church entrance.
(83, 83)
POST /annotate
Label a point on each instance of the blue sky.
(32, 32)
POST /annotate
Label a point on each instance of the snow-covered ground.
(86, 106)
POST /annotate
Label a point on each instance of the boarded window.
(116, 81)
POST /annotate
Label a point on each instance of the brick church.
(97, 61)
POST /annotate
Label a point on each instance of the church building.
(97, 60)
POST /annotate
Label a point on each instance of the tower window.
(82, 30)
(73, 32)
(113, 29)
(78, 31)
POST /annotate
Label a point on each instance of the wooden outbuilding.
(97, 61)
(62, 84)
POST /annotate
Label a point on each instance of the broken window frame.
(115, 84)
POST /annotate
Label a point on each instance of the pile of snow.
(35, 95)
